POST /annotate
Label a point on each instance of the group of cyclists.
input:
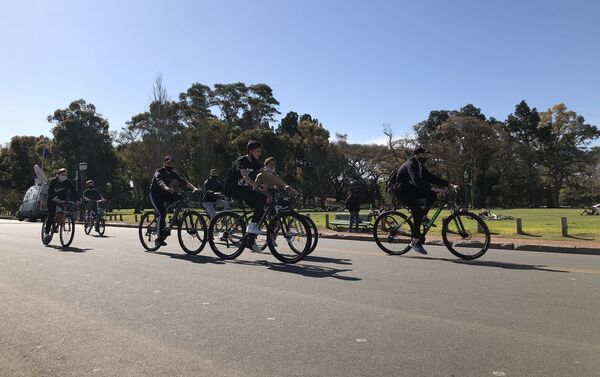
(252, 182)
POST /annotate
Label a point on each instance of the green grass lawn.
(538, 223)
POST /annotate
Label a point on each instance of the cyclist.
(269, 180)
(60, 188)
(213, 194)
(412, 185)
(161, 194)
(91, 195)
(241, 185)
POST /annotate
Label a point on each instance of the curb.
(493, 245)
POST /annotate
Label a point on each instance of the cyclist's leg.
(223, 203)
(51, 213)
(210, 208)
(158, 202)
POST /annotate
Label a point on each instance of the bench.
(342, 220)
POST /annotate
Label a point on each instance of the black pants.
(419, 202)
(50, 218)
(253, 198)
(159, 202)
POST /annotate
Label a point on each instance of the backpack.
(393, 181)
(230, 180)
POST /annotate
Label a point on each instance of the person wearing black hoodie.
(414, 186)
(353, 206)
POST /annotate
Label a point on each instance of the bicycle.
(191, 227)
(228, 239)
(464, 233)
(64, 224)
(94, 219)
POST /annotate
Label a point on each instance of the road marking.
(156, 291)
(206, 303)
(271, 319)
(500, 374)
(361, 340)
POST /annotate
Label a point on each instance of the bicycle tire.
(67, 231)
(101, 226)
(193, 226)
(227, 235)
(315, 234)
(43, 228)
(387, 227)
(455, 224)
(288, 222)
(88, 224)
(147, 231)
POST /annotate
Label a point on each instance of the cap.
(87, 183)
(61, 170)
(169, 158)
(421, 150)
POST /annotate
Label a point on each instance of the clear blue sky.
(352, 64)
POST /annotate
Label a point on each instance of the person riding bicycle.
(91, 195)
(241, 185)
(60, 188)
(213, 194)
(268, 180)
(412, 184)
(162, 193)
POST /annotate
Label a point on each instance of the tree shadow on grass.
(495, 264)
(530, 235)
(581, 238)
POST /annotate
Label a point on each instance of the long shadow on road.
(298, 269)
(314, 258)
(71, 249)
(505, 265)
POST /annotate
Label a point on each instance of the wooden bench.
(342, 220)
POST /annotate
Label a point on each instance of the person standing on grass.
(353, 205)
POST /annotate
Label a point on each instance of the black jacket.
(163, 179)
(353, 204)
(211, 186)
(92, 195)
(413, 176)
(57, 189)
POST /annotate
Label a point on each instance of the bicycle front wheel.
(101, 226)
(289, 237)
(226, 235)
(314, 233)
(392, 232)
(466, 235)
(44, 240)
(148, 230)
(192, 232)
(88, 223)
(67, 231)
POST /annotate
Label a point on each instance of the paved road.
(106, 308)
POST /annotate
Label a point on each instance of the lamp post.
(82, 170)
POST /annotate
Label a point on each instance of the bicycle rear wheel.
(289, 237)
(67, 231)
(466, 235)
(148, 230)
(392, 232)
(191, 232)
(226, 235)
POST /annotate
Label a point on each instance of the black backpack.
(393, 181)
(230, 180)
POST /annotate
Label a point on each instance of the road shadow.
(300, 269)
(314, 258)
(99, 236)
(199, 258)
(69, 249)
(495, 264)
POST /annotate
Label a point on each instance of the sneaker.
(160, 242)
(255, 248)
(47, 237)
(253, 229)
(418, 248)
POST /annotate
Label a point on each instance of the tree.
(563, 138)
(81, 135)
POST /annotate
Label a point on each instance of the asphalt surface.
(104, 307)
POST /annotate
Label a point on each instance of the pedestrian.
(353, 206)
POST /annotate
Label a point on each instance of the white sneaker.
(253, 229)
